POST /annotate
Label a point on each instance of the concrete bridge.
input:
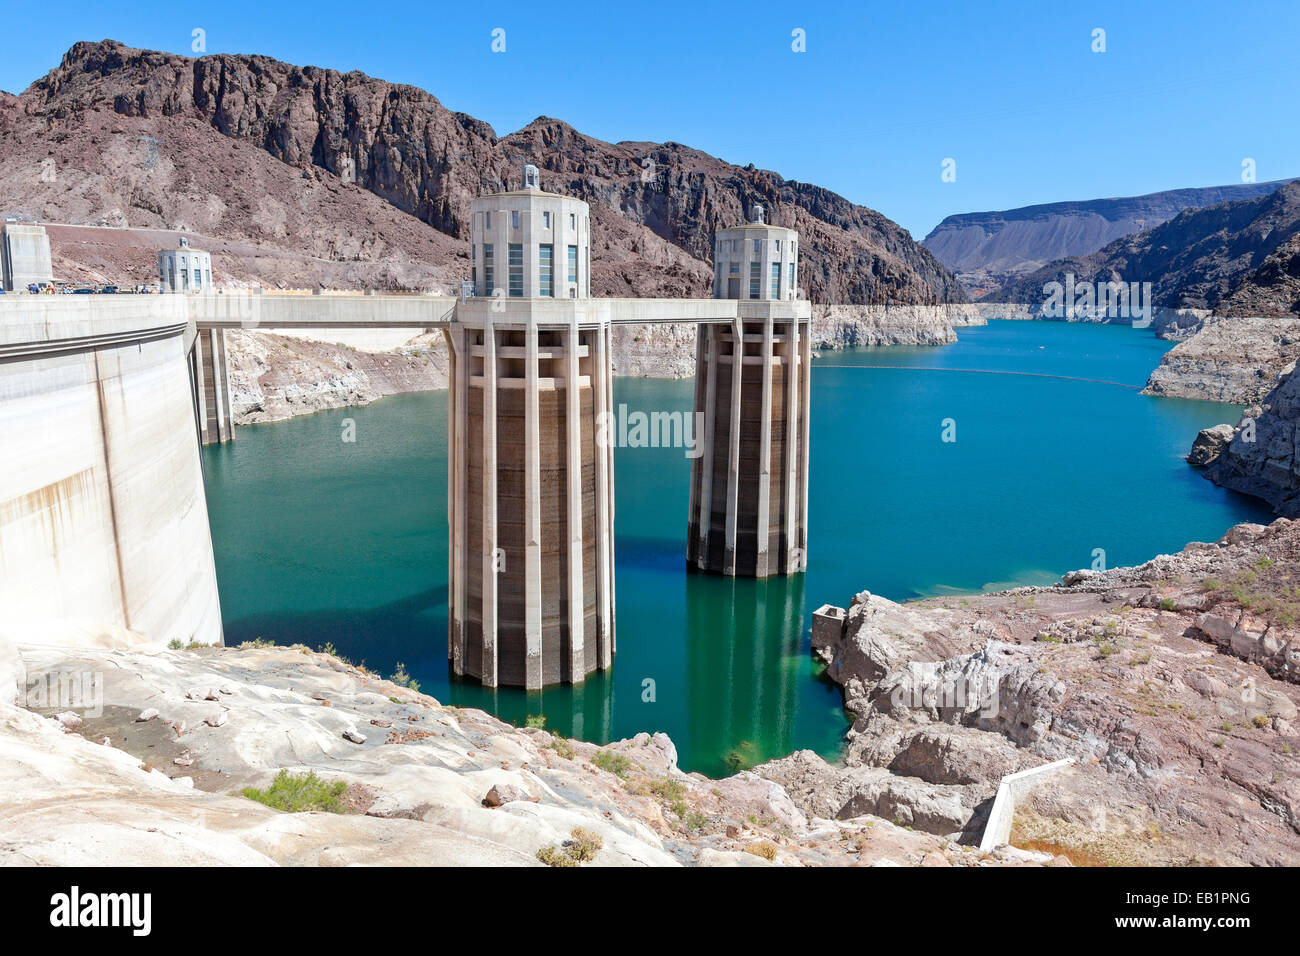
(105, 387)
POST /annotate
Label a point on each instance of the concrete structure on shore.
(749, 488)
(530, 436)
(103, 516)
(25, 255)
(184, 269)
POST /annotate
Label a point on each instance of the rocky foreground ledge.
(154, 776)
(1171, 686)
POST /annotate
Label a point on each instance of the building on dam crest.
(184, 269)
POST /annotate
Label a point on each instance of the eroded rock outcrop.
(1172, 686)
(1261, 458)
(1208, 445)
(1229, 360)
(420, 783)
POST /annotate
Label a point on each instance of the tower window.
(733, 266)
(488, 268)
(515, 251)
(545, 271)
(776, 280)
(573, 221)
(546, 220)
(790, 281)
(514, 219)
(758, 247)
(573, 264)
(487, 221)
(755, 280)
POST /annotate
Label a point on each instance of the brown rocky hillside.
(1236, 258)
(252, 149)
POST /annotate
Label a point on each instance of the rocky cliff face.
(988, 249)
(655, 206)
(1173, 686)
(1236, 258)
(274, 377)
(1229, 360)
(1261, 459)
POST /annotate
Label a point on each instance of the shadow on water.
(379, 634)
(743, 648)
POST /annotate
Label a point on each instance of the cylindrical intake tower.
(530, 487)
(749, 487)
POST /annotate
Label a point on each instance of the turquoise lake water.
(320, 541)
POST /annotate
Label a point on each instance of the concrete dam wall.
(103, 517)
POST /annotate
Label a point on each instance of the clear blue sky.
(885, 92)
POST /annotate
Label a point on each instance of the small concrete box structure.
(749, 488)
(26, 256)
(530, 489)
(184, 269)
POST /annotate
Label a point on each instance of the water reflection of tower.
(742, 667)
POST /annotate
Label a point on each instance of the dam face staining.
(103, 513)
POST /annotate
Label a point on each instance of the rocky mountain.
(988, 249)
(343, 167)
(1235, 258)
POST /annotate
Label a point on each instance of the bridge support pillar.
(211, 383)
(531, 484)
(749, 486)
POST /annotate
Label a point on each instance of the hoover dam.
(106, 401)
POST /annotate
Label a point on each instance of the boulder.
(503, 793)
(1208, 444)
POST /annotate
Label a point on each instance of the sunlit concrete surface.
(103, 517)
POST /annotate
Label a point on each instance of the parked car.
(108, 290)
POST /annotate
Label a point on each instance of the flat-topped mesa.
(530, 490)
(749, 487)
